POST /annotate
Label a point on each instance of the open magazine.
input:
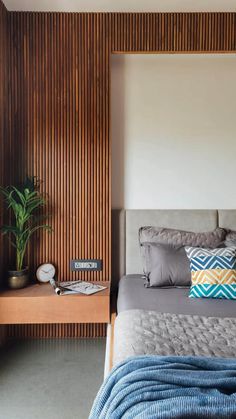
(75, 287)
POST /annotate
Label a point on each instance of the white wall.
(173, 131)
(123, 5)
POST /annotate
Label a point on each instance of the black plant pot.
(18, 279)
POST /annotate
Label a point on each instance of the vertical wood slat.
(59, 119)
(173, 32)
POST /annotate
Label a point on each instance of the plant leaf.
(20, 195)
(23, 201)
(43, 227)
(9, 229)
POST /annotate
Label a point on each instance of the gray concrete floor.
(50, 379)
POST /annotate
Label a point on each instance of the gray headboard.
(126, 223)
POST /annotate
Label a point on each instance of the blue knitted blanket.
(161, 387)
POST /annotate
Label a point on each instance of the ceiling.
(122, 5)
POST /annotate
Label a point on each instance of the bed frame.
(125, 248)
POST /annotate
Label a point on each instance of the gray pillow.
(211, 239)
(166, 265)
(230, 239)
(175, 239)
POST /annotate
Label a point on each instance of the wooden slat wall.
(57, 331)
(4, 144)
(59, 120)
(173, 32)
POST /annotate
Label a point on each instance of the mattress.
(133, 295)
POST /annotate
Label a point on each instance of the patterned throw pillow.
(213, 272)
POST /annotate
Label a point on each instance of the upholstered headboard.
(126, 224)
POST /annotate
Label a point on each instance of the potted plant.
(23, 202)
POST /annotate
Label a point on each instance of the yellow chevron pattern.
(214, 276)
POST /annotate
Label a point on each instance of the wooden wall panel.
(173, 32)
(57, 331)
(4, 139)
(59, 120)
(4, 102)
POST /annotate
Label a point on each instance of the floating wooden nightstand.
(39, 304)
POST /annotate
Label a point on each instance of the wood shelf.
(38, 304)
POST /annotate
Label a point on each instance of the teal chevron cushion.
(213, 272)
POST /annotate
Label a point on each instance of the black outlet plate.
(86, 265)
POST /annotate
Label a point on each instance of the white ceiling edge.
(121, 5)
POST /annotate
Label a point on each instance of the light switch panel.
(86, 265)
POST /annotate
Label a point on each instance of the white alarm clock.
(45, 272)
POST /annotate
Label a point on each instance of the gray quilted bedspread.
(142, 332)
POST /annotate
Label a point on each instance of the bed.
(164, 325)
(168, 322)
(141, 309)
